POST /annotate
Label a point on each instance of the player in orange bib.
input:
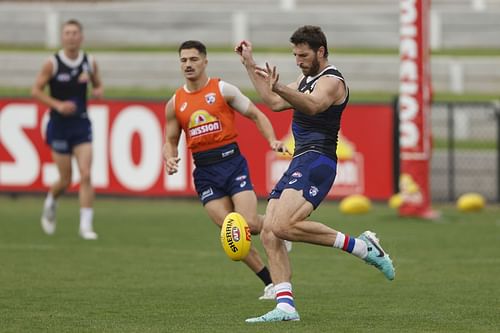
(204, 108)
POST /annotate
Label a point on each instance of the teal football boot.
(376, 255)
(275, 315)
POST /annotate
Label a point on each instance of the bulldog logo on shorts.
(313, 191)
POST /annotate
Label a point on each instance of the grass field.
(158, 267)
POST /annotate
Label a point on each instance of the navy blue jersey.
(318, 132)
(69, 82)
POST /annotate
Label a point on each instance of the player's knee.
(266, 235)
(65, 181)
(280, 227)
(281, 231)
(85, 177)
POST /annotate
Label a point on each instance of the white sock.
(350, 244)
(339, 240)
(284, 297)
(86, 216)
(50, 201)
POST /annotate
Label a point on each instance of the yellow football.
(470, 202)
(395, 201)
(355, 204)
(235, 236)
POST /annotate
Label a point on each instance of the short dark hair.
(311, 35)
(73, 22)
(193, 44)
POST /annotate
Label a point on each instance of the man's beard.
(314, 70)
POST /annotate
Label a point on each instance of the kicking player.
(204, 109)
(69, 131)
(318, 97)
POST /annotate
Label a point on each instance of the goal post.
(415, 109)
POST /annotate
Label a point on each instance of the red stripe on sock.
(284, 293)
(346, 243)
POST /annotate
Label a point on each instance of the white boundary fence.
(159, 70)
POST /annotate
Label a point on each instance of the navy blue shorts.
(311, 172)
(63, 135)
(224, 178)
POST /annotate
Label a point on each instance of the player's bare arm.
(266, 129)
(273, 100)
(328, 91)
(243, 105)
(172, 135)
(97, 87)
(38, 91)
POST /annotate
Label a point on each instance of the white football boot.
(48, 220)
(87, 234)
(87, 231)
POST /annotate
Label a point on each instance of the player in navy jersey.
(69, 132)
(318, 97)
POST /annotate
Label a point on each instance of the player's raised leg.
(289, 224)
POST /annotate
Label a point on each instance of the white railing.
(370, 27)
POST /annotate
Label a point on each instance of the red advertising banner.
(128, 139)
(365, 152)
(414, 108)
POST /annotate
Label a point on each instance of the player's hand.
(244, 50)
(66, 108)
(98, 92)
(172, 165)
(270, 75)
(280, 147)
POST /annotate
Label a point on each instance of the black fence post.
(451, 152)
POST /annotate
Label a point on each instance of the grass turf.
(158, 267)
